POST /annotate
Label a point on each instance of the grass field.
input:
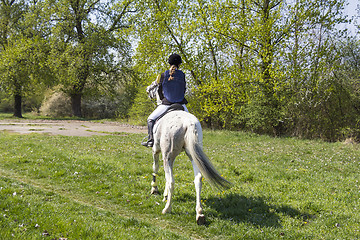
(54, 187)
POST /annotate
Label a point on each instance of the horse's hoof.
(155, 191)
(166, 210)
(200, 220)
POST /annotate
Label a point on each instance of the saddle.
(173, 107)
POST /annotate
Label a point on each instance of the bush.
(100, 107)
(57, 104)
(6, 103)
(215, 103)
(141, 108)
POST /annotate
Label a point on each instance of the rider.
(172, 88)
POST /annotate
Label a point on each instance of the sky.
(351, 11)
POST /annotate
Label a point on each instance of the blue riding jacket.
(174, 90)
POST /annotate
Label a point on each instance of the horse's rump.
(179, 130)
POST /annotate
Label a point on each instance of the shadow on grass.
(254, 210)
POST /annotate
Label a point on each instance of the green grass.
(99, 188)
(25, 116)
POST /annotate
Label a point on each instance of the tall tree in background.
(219, 30)
(88, 38)
(23, 50)
(11, 13)
(269, 31)
(311, 59)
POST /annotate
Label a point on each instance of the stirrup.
(144, 142)
(147, 143)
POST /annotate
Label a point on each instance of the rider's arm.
(158, 78)
(155, 83)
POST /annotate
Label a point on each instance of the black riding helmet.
(175, 59)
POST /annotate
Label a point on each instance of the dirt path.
(68, 127)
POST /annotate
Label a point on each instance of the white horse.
(175, 132)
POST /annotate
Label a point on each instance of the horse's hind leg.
(170, 182)
(200, 218)
(154, 187)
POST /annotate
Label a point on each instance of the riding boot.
(150, 141)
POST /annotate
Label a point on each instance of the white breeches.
(160, 110)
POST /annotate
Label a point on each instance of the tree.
(184, 27)
(22, 49)
(310, 60)
(264, 36)
(270, 29)
(88, 39)
(11, 13)
(346, 89)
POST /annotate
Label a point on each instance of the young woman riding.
(172, 87)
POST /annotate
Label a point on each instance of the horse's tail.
(207, 169)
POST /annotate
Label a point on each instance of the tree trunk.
(18, 106)
(76, 105)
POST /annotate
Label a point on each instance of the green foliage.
(88, 40)
(141, 108)
(217, 103)
(20, 65)
(22, 71)
(23, 68)
(263, 66)
(6, 104)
